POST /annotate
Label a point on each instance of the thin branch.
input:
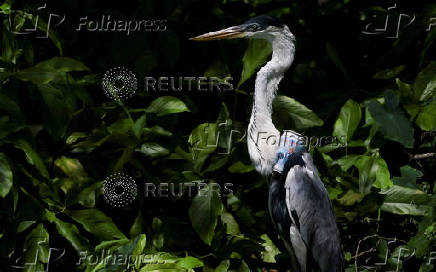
(421, 156)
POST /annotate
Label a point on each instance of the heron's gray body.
(302, 214)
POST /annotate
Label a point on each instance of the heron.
(298, 201)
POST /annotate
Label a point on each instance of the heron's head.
(261, 27)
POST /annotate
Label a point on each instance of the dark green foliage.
(60, 136)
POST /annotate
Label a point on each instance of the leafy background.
(60, 136)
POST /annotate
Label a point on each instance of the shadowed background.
(60, 136)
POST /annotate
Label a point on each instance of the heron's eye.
(253, 27)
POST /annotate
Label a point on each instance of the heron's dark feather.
(264, 21)
(307, 197)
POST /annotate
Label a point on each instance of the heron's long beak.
(228, 33)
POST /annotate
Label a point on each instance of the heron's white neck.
(263, 152)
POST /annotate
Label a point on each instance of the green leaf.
(270, 250)
(153, 150)
(391, 120)
(138, 226)
(111, 245)
(223, 266)
(74, 185)
(163, 261)
(223, 115)
(400, 194)
(422, 241)
(230, 223)
(134, 247)
(242, 268)
(139, 125)
(218, 69)
(389, 73)
(412, 110)
(347, 161)
(31, 156)
(156, 131)
(139, 244)
(430, 91)
(204, 212)
(158, 235)
(407, 201)
(167, 267)
(165, 105)
(382, 176)
(427, 266)
(256, 55)
(334, 192)
(373, 170)
(6, 176)
(23, 225)
(6, 6)
(59, 110)
(87, 196)
(408, 177)
(75, 136)
(286, 109)
(350, 198)
(14, 120)
(62, 64)
(69, 232)
(122, 128)
(427, 117)
(240, 167)
(428, 46)
(54, 69)
(203, 142)
(348, 120)
(36, 246)
(124, 158)
(189, 262)
(424, 84)
(10, 51)
(97, 223)
(216, 162)
(406, 91)
(71, 167)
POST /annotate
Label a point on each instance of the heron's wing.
(297, 193)
(310, 208)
